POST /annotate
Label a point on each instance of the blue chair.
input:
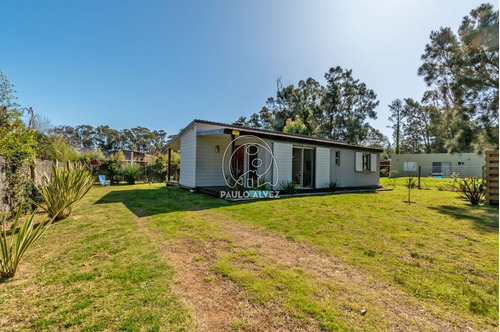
(103, 181)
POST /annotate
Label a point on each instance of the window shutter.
(359, 162)
(373, 162)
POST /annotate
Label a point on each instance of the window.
(461, 163)
(441, 169)
(366, 162)
(410, 166)
(337, 158)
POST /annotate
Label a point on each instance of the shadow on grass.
(146, 202)
(485, 217)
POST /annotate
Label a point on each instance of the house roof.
(274, 134)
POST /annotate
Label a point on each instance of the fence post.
(419, 173)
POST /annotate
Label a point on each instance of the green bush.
(63, 189)
(14, 246)
(472, 189)
(113, 169)
(332, 185)
(131, 172)
(289, 187)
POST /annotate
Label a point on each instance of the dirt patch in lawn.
(217, 303)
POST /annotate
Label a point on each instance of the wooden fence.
(491, 177)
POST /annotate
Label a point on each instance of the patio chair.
(103, 181)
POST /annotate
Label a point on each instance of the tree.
(8, 98)
(346, 106)
(375, 139)
(17, 145)
(295, 126)
(42, 124)
(396, 117)
(479, 74)
(85, 134)
(462, 70)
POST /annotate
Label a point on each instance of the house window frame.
(366, 162)
(337, 158)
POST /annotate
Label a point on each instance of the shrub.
(14, 246)
(113, 169)
(63, 189)
(131, 172)
(289, 187)
(472, 189)
(332, 185)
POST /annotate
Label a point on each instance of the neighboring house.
(439, 164)
(131, 155)
(217, 155)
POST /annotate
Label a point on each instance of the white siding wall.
(345, 173)
(322, 167)
(188, 159)
(283, 154)
(209, 162)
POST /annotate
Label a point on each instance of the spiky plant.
(14, 245)
(131, 172)
(63, 189)
(289, 187)
(472, 189)
(332, 185)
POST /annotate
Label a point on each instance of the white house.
(219, 155)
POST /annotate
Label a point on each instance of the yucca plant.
(14, 246)
(131, 172)
(332, 185)
(63, 189)
(472, 189)
(289, 187)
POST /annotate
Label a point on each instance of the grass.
(101, 268)
(94, 271)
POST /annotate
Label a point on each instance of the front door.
(238, 161)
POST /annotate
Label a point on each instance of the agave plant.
(472, 189)
(63, 189)
(14, 246)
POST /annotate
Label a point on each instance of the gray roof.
(275, 134)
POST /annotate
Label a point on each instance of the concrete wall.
(345, 173)
(472, 163)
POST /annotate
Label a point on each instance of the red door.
(238, 161)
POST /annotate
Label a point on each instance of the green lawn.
(149, 258)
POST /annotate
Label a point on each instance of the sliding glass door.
(303, 166)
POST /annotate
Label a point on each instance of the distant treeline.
(108, 139)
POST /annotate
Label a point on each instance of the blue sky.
(161, 64)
